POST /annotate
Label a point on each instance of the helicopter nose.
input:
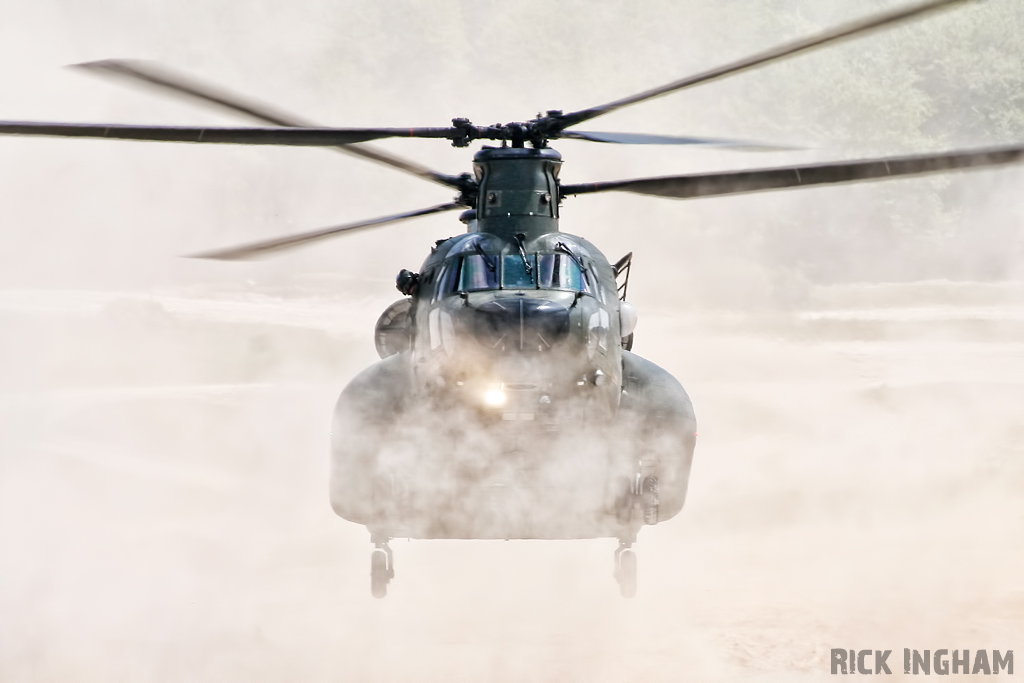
(521, 324)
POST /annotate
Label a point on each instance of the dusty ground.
(163, 509)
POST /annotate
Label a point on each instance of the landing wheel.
(625, 572)
(380, 573)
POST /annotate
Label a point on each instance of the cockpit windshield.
(475, 272)
(518, 272)
(560, 271)
(470, 273)
(478, 272)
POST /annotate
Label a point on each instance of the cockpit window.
(560, 271)
(475, 272)
(448, 279)
(515, 274)
(469, 273)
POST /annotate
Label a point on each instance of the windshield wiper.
(491, 266)
(575, 259)
(522, 253)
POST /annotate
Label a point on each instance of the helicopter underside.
(411, 466)
(471, 482)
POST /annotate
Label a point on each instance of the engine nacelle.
(393, 332)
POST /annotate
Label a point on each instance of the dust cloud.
(855, 355)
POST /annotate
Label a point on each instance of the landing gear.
(625, 569)
(648, 495)
(382, 569)
(642, 492)
(624, 503)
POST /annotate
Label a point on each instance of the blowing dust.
(855, 355)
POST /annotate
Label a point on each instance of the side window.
(573, 277)
(448, 277)
(591, 284)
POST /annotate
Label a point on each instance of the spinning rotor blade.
(739, 182)
(166, 79)
(840, 33)
(296, 137)
(256, 249)
(646, 139)
(154, 74)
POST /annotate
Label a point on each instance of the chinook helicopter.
(507, 402)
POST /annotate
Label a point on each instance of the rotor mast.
(518, 191)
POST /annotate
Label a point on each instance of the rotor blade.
(738, 182)
(296, 137)
(846, 31)
(256, 249)
(164, 78)
(646, 139)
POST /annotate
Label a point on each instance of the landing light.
(495, 397)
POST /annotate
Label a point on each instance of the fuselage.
(504, 405)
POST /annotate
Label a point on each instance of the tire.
(379, 574)
(627, 573)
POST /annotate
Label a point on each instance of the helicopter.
(507, 402)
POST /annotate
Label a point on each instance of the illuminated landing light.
(495, 397)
